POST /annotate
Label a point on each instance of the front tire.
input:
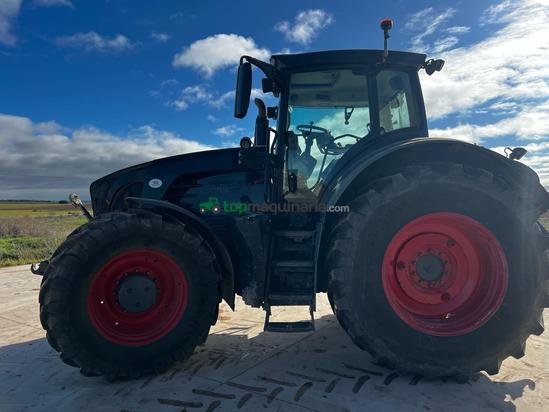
(129, 294)
(438, 270)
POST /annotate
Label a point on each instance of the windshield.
(329, 112)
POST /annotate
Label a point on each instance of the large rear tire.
(439, 270)
(128, 294)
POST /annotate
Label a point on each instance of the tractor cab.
(331, 105)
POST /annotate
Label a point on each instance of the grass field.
(31, 231)
(11, 209)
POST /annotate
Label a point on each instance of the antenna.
(386, 25)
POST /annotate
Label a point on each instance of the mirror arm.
(268, 69)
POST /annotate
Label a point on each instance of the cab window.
(396, 105)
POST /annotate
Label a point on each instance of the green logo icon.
(211, 205)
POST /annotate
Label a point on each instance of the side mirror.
(515, 154)
(432, 66)
(243, 90)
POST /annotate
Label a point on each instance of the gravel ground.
(243, 368)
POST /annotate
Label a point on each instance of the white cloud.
(178, 104)
(457, 29)
(92, 41)
(508, 66)
(9, 9)
(53, 3)
(444, 43)
(211, 118)
(229, 130)
(169, 83)
(160, 37)
(46, 160)
(51, 127)
(306, 26)
(218, 51)
(425, 23)
(496, 11)
(196, 93)
(504, 108)
(222, 100)
(505, 77)
(527, 125)
(192, 94)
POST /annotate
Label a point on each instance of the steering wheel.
(323, 137)
(325, 141)
(309, 129)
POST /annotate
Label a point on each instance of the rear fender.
(183, 215)
(366, 166)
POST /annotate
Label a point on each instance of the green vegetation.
(31, 231)
(12, 209)
(21, 249)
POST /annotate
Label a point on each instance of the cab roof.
(344, 57)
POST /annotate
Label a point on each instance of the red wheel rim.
(123, 327)
(444, 274)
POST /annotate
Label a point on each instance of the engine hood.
(152, 179)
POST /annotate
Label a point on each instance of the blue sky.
(87, 87)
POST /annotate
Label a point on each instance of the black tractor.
(429, 249)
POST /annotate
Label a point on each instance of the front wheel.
(439, 270)
(128, 294)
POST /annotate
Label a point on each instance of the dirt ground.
(243, 368)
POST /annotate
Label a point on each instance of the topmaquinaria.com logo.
(216, 206)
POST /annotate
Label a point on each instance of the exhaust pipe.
(261, 124)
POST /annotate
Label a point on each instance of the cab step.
(288, 327)
(290, 299)
(290, 280)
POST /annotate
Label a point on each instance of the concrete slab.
(243, 368)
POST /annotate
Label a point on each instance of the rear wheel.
(128, 294)
(439, 270)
